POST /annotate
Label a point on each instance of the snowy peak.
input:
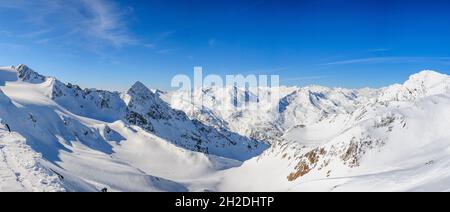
(428, 74)
(140, 91)
(426, 78)
(139, 88)
(89, 139)
(140, 97)
(28, 75)
(423, 84)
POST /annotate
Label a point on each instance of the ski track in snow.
(9, 179)
(19, 168)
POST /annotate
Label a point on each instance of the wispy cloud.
(165, 51)
(37, 33)
(149, 45)
(13, 46)
(107, 22)
(314, 77)
(157, 44)
(380, 50)
(212, 42)
(85, 21)
(5, 33)
(267, 71)
(86, 25)
(378, 60)
(164, 35)
(43, 38)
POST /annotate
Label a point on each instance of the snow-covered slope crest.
(422, 84)
(28, 75)
(22, 169)
(147, 110)
(64, 138)
(39, 139)
(83, 140)
(403, 143)
(143, 108)
(298, 106)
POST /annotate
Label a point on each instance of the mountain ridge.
(142, 140)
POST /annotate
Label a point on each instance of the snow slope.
(64, 138)
(399, 144)
(21, 168)
(294, 108)
(87, 150)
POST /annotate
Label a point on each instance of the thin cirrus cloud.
(212, 42)
(88, 21)
(380, 50)
(166, 51)
(37, 33)
(5, 33)
(107, 23)
(313, 77)
(13, 46)
(276, 70)
(378, 60)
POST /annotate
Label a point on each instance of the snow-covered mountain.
(99, 139)
(64, 138)
(295, 108)
(334, 139)
(397, 139)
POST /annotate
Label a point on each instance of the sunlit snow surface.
(321, 139)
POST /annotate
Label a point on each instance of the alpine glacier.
(58, 137)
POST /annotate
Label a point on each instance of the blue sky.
(111, 44)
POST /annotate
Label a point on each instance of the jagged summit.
(21, 66)
(29, 75)
(138, 87)
(139, 92)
